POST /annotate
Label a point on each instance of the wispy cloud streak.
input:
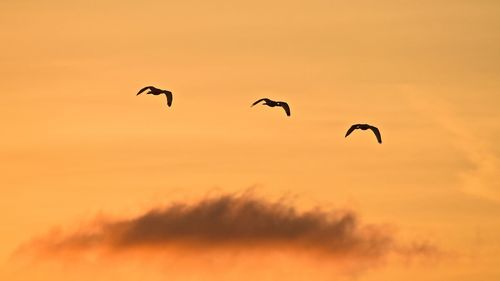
(482, 179)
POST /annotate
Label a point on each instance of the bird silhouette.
(272, 103)
(156, 91)
(365, 127)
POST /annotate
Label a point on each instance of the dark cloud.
(234, 221)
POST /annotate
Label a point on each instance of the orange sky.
(77, 142)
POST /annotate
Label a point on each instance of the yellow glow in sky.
(77, 142)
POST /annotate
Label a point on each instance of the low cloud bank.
(235, 221)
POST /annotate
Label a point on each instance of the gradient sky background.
(76, 141)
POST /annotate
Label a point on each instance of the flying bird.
(272, 103)
(156, 91)
(365, 127)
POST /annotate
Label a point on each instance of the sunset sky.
(84, 161)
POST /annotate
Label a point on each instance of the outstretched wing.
(353, 127)
(285, 107)
(264, 99)
(377, 133)
(144, 89)
(170, 97)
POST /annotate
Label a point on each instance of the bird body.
(155, 91)
(365, 127)
(272, 103)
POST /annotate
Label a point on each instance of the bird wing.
(353, 127)
(170, 97)
(264, 99)
(377, 133)
(144, 89)
(285, 107)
